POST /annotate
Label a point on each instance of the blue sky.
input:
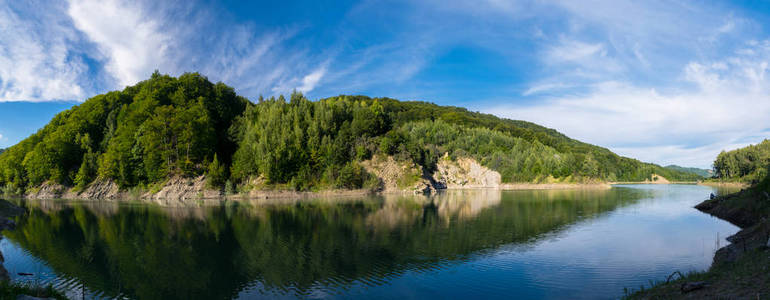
(661, 81)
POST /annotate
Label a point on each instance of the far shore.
(553, 186)
(650, 182)
(741, 185)
(191, 195)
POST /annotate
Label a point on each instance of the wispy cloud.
(77, 49)
(725, 107)
(40, 54)
(546, 87)
(311, 80)
(575, 51)
(133, 43)
(152, 36)
(651, 79)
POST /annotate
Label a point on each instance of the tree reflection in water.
(215, 251)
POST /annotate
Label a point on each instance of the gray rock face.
(179, 188)
(48, 190)
(399, 176)
(176, 188)
(465, 173)
(460, 174)
(101, 189)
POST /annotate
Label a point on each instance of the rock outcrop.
(657, 179)
(176, 188)
(180, 188)
(465, 173)
(48, 190)
(101, 189)
(396, 176)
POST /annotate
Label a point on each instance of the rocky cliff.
(465, 173)
(399, 176)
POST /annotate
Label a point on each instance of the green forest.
(749, 164)
(705, 173)
(188, 126)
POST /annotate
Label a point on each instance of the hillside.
(142, 135)
(705, 173)
(167, 127)
(749, 164)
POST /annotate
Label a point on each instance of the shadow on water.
(289, 248)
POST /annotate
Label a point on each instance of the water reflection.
(287, 247)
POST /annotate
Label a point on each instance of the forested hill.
(188, 126)
(705, 173)
(749, 164)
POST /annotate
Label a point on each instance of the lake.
(533, 244)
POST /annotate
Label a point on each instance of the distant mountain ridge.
(705, 173)
(168, 127)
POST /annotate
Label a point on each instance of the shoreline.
(191, 192)
(741, 185)
(739, 269)
(552, 186)
(655, 182)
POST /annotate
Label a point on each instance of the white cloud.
(726, 107)
(311, 80)
(647, 78)
(38, 55)
(701, 157)
(545, 87)
(140, 37)
(727, 27)
(134, 43)
(574, 51)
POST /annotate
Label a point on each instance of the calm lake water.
(546, 244)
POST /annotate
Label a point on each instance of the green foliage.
(749, 164)
(158, 128)
(229, 187)
(705, 173)
(217, 175)
(188, 126)
(307, 144)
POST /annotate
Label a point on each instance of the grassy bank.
(746, 278)
(721, 183)
(740, 270)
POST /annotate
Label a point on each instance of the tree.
(216, 173)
